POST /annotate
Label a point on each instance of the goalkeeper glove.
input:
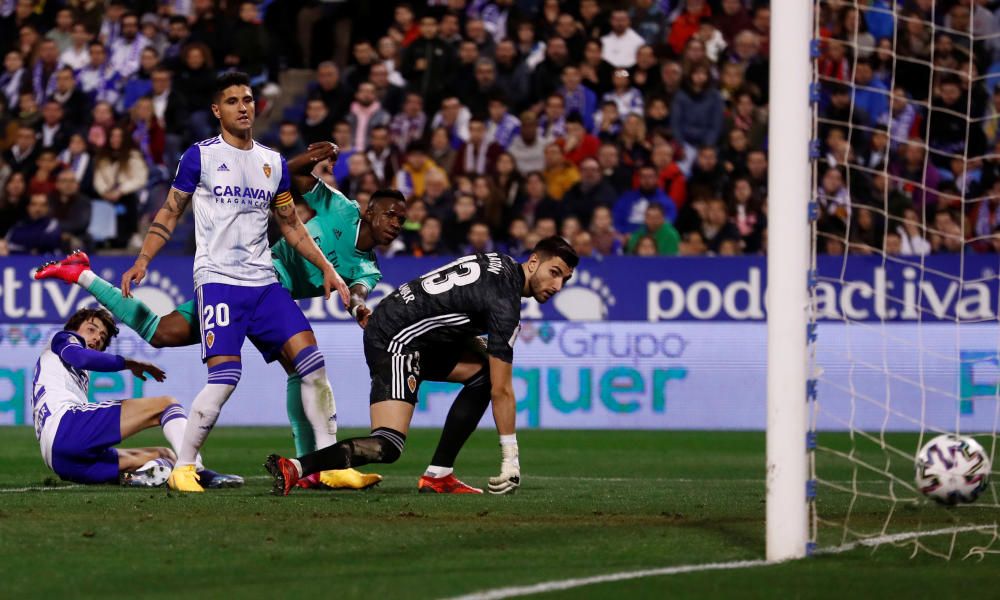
(509, 478)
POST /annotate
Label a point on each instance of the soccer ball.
(952, 469)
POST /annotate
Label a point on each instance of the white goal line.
(566, 584)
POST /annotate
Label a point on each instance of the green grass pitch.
(592, 503)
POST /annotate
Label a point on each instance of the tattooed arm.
(158, 235)
(298, 238)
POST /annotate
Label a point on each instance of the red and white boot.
(67, 269)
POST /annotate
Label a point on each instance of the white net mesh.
(905, 282)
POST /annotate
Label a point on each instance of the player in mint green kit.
(343, 234)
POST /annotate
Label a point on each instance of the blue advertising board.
(940, 288)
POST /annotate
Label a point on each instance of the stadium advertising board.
(632, 343)
(606, 375)
(614, 289)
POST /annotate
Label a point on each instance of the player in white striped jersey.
(235, 183)
(77, 437)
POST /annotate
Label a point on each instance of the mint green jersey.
(335, 230)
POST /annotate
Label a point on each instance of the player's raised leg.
(172, 330)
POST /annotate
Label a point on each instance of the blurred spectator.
(590, 192)
(22, 155)
(54, 132)
(43, 180)
(178, 36)
(441, 150)
(620, 44)
(627, 99)
(477, 156)
(13, 201)
(408, 126)
(14, 79)
(317, 124)
(120, 173)
(693, 244)
(583, 245)
(478, 239)
(502, 126)
(76, 157)
(484, 88)
(411, 178)
(168, 105)
(917, 177)
(428, 63)
(62, 32)
(528, 148)
(127, 46)
(141, 84)
(606, 241)
(43, 82)
(553, 120)
(545, 77)
(620, 177)
(732, 19)
(365, 57)
(517, 233)
(37, 233)
(536, 203)
(746, 213)
(646, 246)
(388, 95)
(102, 119)
(382, 156)
(290, 142)
(194, 82)
(213, 29)
(71, 209)
(513, 75)
(560, 174)
(249, 50)
(696, 116)
(630, 208)
(507, 179)
(669, 176)
(595, 71)
(437, 197)
(491, 204)
(455, 119)
(646, 73)
(98, 79)
(357, 167)
(457, 225)
(577, 97)
(577, 144)
(912, 240)
(74, 102)
(715, 226)
(329, 88)
(656, 227)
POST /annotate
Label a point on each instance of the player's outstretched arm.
(358, 309)
(302, 166)
(504, 414)
(298, 237)
(157, 236)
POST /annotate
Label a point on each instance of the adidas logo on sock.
(223, 168)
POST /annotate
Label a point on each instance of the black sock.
(463, 418)
(383, 446)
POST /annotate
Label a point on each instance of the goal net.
(904, 338)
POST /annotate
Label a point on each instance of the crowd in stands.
(635, 127)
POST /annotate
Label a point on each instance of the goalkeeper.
(351, 255)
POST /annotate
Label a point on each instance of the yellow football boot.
(185, 479)
(349, 479)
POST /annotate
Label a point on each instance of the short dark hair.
(386, 194)
(227, 80)
(556, 247)
(101, 314)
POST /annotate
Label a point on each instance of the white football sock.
(437, 472)
(320, 407)
(204, 412)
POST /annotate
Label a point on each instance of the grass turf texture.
(592, 503)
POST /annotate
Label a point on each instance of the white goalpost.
(854, 392)
(788, 260)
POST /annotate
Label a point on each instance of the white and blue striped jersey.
(56, 387)
(234, 191)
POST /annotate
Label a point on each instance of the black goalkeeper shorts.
(397, 376)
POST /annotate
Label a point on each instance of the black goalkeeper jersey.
(470, 296)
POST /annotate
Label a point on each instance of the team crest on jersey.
(411, 382)
(209, 339)
(267, 170)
